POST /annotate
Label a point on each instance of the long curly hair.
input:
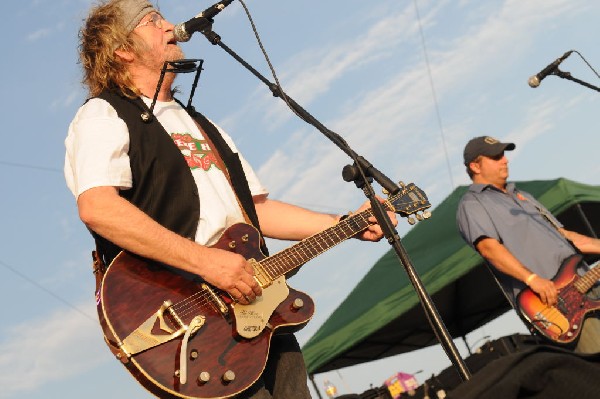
(103, 33)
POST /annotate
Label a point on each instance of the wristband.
(529, 279)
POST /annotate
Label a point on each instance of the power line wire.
(22, 165)
(437, 108)
(46, 290)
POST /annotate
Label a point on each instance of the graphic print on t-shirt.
(197, 153)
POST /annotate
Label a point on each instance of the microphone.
(183, 31)
(536, 79)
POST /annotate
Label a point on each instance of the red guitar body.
(133, 290)
(561, 323)
(181, 338)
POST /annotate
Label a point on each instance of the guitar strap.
(552, 222)
(221, 165)
(229, 163)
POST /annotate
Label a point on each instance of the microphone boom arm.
(365, 171)
(568, 76)
(381, 178)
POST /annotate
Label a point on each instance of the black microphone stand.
(362, 172)
(568, 76)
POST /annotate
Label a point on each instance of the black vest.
(163, 186)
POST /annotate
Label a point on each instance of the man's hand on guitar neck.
(374, 232)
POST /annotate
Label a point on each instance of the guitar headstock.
(410, 200)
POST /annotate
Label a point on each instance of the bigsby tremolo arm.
(196, 323)
(142, 338)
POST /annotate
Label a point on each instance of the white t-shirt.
(97, 147)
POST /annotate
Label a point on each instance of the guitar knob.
(426, 214)
(411, 221)
(204, 377)
(228, 376)
(298, 304)
(419, 217)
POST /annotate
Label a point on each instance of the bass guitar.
(562, 322)
(182, 338)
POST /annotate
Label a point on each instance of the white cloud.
(385, 120)
(38, 34)
(49, 349)
(67, 101)
(314, 70)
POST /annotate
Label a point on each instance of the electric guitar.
(182, 338)
(562, 322)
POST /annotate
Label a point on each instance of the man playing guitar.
(524, 245)
(160, 181)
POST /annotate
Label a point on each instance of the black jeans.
(284, 376)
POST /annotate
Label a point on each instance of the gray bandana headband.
(133, 11)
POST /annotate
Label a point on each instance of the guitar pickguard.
(252, 319)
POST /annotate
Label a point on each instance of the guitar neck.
(309, 248)
(586, 281)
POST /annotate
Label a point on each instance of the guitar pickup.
(260, 274)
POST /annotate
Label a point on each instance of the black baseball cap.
(486, 146)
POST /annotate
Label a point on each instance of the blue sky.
(406, 90)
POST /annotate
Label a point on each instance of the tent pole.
(311, 377)
(585, 220)
(464, 338)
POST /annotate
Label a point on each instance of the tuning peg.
(419, 217)
(426, 214)
(411, 220)
(401, 184)
(385, 191)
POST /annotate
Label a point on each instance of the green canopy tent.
(382, 315)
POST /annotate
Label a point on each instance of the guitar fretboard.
(309, 248)
(408, 201)
(585, 282)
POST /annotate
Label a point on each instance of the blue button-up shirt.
(513, 218)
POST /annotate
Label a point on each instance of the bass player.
(524, 244)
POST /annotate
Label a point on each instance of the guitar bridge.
(142, 338)
(554, 326)
(542, 320)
